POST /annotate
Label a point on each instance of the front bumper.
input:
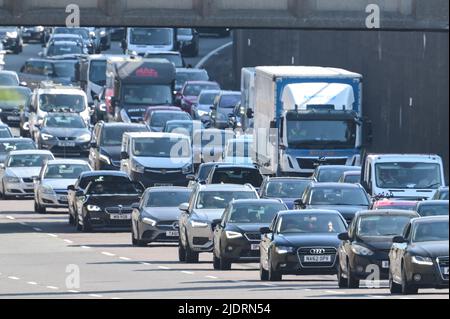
(163, 231)
(431, 276)
(241, 250)
(152, 178)
(362, 266)
(104, 219)
(201, 239)
(56, 200)
(22, 189)
(56, 148)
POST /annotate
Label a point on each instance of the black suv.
(235, 174)
(106, 144)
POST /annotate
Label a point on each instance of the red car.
(191, 90)
(394, 204)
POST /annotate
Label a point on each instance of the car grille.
(200, 241)
(71, 138)
(309, 251)
(61, 191)
(443, 263)
(27, 180)
(312, 163)
(117, 210)
(169, 225)
(253, 236)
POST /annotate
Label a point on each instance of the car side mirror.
(79, 193)
(399, 240)
(249, 113)
(344, 236)
(124, 156)
(216, 222)
(190, 177)
(135, 205)
(299, 203)
(71, 188)
(184, 207)
(265, 230)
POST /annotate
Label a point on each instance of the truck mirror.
(249, 113)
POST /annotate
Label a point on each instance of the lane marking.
(211, 277)
(107, 254)
(267, 284)
(13, 278)
(68, 241)
(124, 258)
(37, 229)
(199, 65)
(52, 235)
(145, 264)
(334, 292)
(10, 217)
(85, 247)
(32, 283)
(73, 291)
(187, 272)
(163, 267)
(95, 296)
(52, 287)
(115, 298)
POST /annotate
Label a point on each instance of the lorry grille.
(312, 163)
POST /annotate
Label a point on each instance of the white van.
(157, 159)
(408, 176)
(139, 41)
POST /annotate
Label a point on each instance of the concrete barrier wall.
(252, 4)
(159, 4)
(33, 4)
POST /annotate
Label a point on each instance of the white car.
(53, 180)
(18, 170)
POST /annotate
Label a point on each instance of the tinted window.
(97, 72)
(254, 213)
(237, 175)
(60, 49)
(162, 147)
(338, 196)
(220, 199)
(167, 198)
(229, 101)
(431, 231)
(383, 225)
(28, 160)
(64, 69)
(286, 189)
(408, 175)
(51, 102)
(182, 77)
(433, 210)
(64, 122)
(111, 185)
(65, 171)
(207, 98)
(195, 89)
(112, 136)
(310, 223)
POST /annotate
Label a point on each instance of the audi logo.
(317, 251)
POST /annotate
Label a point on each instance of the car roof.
(257, 201)
(425, 219)
(34, 152)
(309, 211)
(67, 161)
(15, 139)
(334, 184)
(383, 212)
(161, 189)
(354, 168)
(433, 202)
(228, 92)
(225, 187)
(106, 173)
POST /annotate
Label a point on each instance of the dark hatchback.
(288, 189)
(235, 174)
(345, 198)
(301, 243)
(107, 202)
(367, 243)
(106, 144)
(332, 173)
(237, 234)
(432, 208)
(155, 218)
(13, 99)
(419, 258)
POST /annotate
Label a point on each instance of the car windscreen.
(80, 31)
(151, 36)
(97, 72)
(65, 171)
(207, 98)
(229, 101)
(167, 198)
(6, 147)
(8, 79)
(61, 49)
(28, 160)
(330, 174)
(381, 225)
(254, 213)
(159, 119)
(64, 122)
(408, 175)
(310, 223)
(64, 69)
(430, 231)
(237, 175)
(112, 136)
(147, 94)
(220, 199)
(286, 189)
(13, 97)
(353, 179)
(338, 196)
(111, 185)
(433, 209)
(55, 102)
(5, 132)
(164, 147)
(195, 89)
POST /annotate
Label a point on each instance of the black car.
(107, 202)
(237, 234)
(13, 99)
(288, 189)
(106, 144)
(223, 173)
(36, 33)
(223, 107)
(202, 174)
(64, 133)
(345, 198)
(332, 173)
(11, 38)
(5, 131)
(419, 258)
(367, 244)
(14, 144)
(155, 218)
(188, 41)
(99, 108)
(442, 193)
(301, 243)
(432, 208)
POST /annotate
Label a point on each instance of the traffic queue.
(143, 143)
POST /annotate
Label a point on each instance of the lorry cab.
(139, 41)
(406, 176)
(134, 84)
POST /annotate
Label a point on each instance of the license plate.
(13, 118)
(255, 247)
(121, 216)
(385, 264)
(445, 270)
(317, 259)
(66, 144)
(172, 233)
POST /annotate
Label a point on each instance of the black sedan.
(301, 243)
(432, 208)
(345, 198)
(237, 234)
(366, 245)
(155, 218)
(13, 99)
(107, 202)
(63, 133)
(419, 258)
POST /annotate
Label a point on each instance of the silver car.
(53, 180)
(16, 173)
(206, 205)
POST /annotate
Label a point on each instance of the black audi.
(419, 258)
(237, 234)
(107, 201)
(301, 242)
(155, 218)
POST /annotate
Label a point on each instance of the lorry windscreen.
(151, 36)
(147, 94)
(97, 72)
(165, 147)
(319, 133)
(406, 175)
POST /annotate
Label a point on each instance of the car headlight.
(12, 179)
(47, 190)
(149, 221)
(11, 34)
(284, 249)
(232, 234)
(187, 169)
(202, 113)
(138, 168)
(39, 28)
(361, 250)
(84, 138)
(46, 136)
(93, 208)
(102, 33)
(419, 260)
(105, 158)
(198, 224)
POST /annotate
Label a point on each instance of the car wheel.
(39, 209)
(135, 241)
(273, 274)
(225, 264)
(393, 286)
(342, 282)
(407, 288)
(77, 222)
(263, 274)
(71, 219)
(352, 282)
(3, 195)
(86, 227)
(216, 262)
(191, 256)
(181, 251)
